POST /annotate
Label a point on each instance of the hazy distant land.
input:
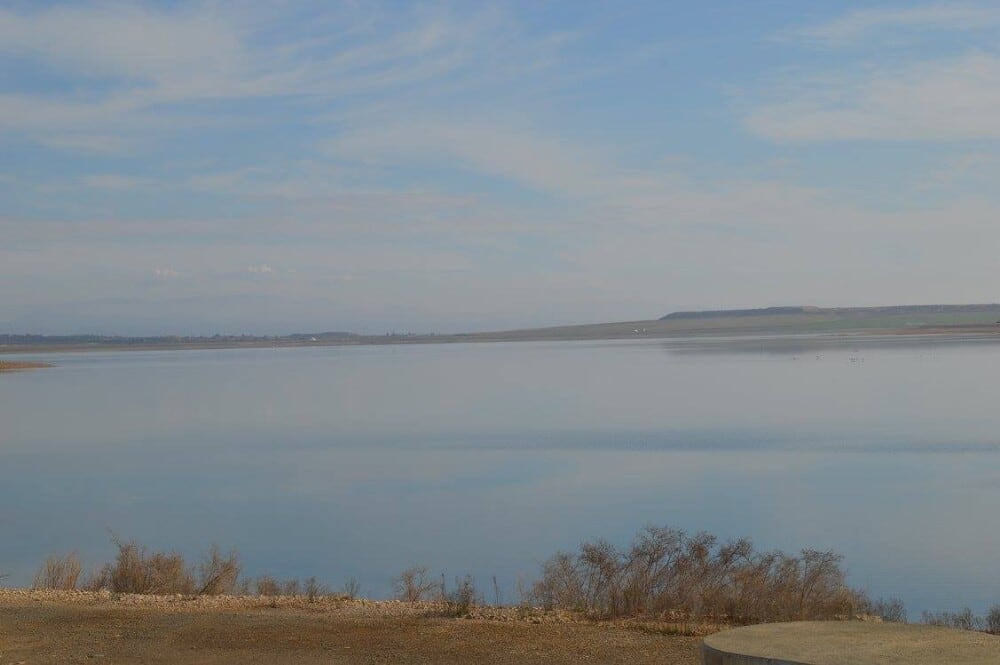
(19, 366)
(895, 320)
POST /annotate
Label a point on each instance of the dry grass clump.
(666, 572)
(61, 573)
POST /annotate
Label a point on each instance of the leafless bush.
(887, 609)
(463, 598)
(497, 596)
(351, 588)
(268, 586)
(137, 571)
(413, 585)
(561, 584)
(668, 572)
(58, 572)
(993, 620)
(314, 589)
(218, 574)
(964, 620)
(97, 580)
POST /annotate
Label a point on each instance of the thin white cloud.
(166, 273)
(603, 192)
(124, 40)
(941, 100)
(146, 63)
(952, 16)
(116, 181)
(100, 143)
(495, 148)
(261, 269)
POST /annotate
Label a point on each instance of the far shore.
(630, 330)
(20, 366)
(936, 322)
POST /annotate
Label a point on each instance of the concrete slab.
(849, 643)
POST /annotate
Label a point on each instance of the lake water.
(487, 458)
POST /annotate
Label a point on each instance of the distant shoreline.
(21, 366)
(632, 330)
(929, 320)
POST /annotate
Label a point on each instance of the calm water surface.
(485, 459)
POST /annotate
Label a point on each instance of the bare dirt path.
(35, 628)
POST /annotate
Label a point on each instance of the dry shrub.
(137, 571)
(314, 589)
(59, 572)
(666, 572)
(463, 598)
(351, 588)
(964, 620)
(993, 620)
(268, 586)
(217, 574)
(96, 580)
(886, 609)
(413, 585)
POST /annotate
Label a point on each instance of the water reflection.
(486, 458)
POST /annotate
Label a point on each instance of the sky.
(218, 167)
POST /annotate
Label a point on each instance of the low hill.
(919, 311)
(720, 313)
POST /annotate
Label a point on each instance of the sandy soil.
(50, 627)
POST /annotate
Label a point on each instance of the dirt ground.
(39, 627)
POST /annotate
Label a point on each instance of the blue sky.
(201, 167)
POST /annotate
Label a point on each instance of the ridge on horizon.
(813, 309)
(849, 313)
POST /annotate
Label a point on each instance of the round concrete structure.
(849, 643)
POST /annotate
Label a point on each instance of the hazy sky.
(287, 166)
